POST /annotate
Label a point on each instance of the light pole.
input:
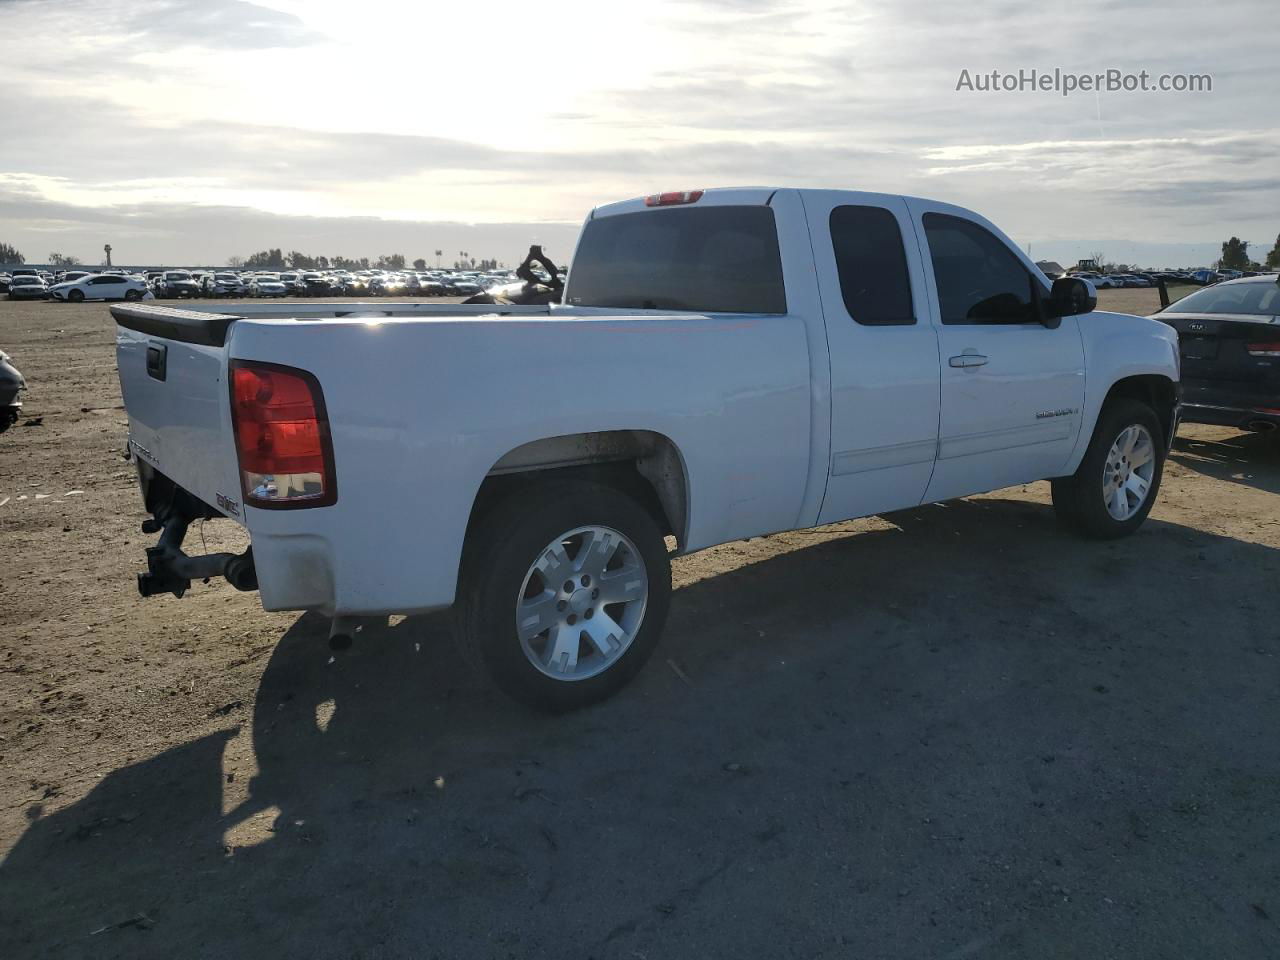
(438, 253)
(106, 248)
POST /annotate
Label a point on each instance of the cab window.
(979, 278)
(872, 265)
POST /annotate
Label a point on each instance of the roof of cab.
(716, 196)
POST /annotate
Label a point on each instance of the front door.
(1012, 387)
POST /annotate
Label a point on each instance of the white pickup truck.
(725, 364)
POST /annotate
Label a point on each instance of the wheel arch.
(644, 463)
(1156, 390)
(1153, 387)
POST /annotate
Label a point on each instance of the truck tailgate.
(173, 376)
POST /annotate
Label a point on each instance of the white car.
(267, 287)
(1099, 281)
(761, 360)
(101, 286)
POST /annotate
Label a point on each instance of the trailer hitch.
(169, 570)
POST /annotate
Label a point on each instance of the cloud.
(189, 235)
(143, 24)
(304, 107)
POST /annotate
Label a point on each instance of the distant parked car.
(318, 285)
(387, 286)
(176, 285)
(461, 286)
(267, 286)
(28, 287)
(293, 283)
(1099, 281)
(100, 286)
(227, 285)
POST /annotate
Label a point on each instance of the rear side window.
(703, 259)
(979, 279)
(872, 264)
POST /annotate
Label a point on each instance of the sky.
(189, 131)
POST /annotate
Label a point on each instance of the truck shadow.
(957, 714)
(1252, 459)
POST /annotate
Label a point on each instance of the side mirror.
(1069, 297)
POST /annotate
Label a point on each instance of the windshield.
(706, 259)
(1260, 299)
(177, 276)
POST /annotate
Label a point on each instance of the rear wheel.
(1112, 492)
(564, 593)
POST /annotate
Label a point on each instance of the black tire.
(1078, 500)
(132, 295)
(501, 547)
(75, 296)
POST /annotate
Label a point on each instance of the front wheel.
(1112, 492)
(132, 295)
(564, 593)
(75, 296)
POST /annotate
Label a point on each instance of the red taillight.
(1269, 349)
(282, 436)
(673, 199)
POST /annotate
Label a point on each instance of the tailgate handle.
(156, 357)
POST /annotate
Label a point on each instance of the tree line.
(276, 259)
(11, 254)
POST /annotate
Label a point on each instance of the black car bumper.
(1242, 418)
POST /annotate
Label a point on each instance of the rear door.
(884, 353)
(1012, 388)
(108, 287)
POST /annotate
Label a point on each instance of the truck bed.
(424, 401)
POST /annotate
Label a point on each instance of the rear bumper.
(1243, 418)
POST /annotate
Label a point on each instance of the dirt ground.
(952, 732)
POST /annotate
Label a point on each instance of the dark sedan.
(1229, 339)
(318, 285)
(26, 287)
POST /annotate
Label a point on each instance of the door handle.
(968, 360)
